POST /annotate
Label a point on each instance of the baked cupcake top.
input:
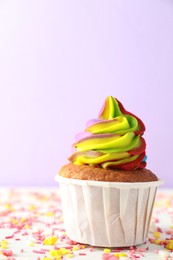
(111, 141)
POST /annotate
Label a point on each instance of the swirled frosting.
(113, 140)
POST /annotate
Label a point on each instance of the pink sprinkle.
(132, 247)
(91, 249)
(44, 249)
(151, 240)
(24, 234)
(105, 256)
(7, 252)
(38, 251)
(70, 242)
(113, 258)
(22, 250)
(82, 254)
(141, 250)
(156, 220)
(169, 232)
(159, 230)
(9, 237)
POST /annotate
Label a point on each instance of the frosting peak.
(114, 140)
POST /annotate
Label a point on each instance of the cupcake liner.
(108, 214)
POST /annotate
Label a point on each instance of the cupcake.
(107, 192)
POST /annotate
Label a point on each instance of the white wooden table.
(31, 219)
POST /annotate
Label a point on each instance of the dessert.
(107, 193)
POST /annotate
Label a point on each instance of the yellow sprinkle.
(4, 241)
(45, 198)
(107, 250)
(70, 255)
(157, 241)
(47, 258)
(170, 244)
(171, 227)
(4, 246)
(8, 206)
(27, 226)
(156, 234)
(31, 244)
(32, 207)
(65, 251)
(23, 219)
(14, 221)
(120, 254)
(75, 248)
(55, 253)
(50, 241)
(49, 214)
(83, 246)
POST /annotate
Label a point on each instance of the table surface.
(31, 227)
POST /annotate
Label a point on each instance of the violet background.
(58, 62)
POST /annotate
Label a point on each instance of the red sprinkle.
(7, 252)
(9, 237)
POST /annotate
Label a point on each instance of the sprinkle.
(9, 237)
(27, 226)
(156, 234)
(120, 254)
(113, 258)
(168, 232)
(55, 253)
(31, 244)
(50, 241)
(49, 214)
(38, 251)
(106, 256)
(169, 245)
(107, 250)
(4, 246)
(75, 248)
(70, 255)
(7, 252)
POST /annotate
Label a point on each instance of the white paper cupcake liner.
(108, 214)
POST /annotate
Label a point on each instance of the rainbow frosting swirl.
(114, 140)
